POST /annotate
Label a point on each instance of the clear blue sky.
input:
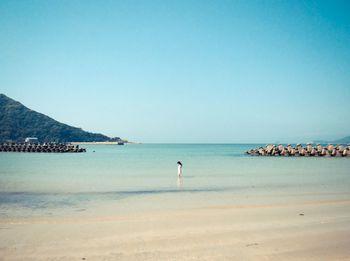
(182, 71)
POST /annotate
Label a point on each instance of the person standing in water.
(179, 169)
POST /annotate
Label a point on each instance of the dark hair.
(179, 162)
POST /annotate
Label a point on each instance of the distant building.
(31, 140)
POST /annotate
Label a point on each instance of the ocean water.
(111, 179)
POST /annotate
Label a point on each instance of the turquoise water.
(145, 176)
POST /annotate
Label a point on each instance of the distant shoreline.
(102, 143)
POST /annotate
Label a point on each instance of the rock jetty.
(44, 147)
(299, 150)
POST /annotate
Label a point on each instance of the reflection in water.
(180, 182)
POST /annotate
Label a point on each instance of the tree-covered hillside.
(18, 122)
(343, 140)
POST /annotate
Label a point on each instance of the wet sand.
(310, 230)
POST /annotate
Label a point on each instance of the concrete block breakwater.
(44, 147)
(305, 151)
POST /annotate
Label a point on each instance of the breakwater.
(44, 148)
(298, 150)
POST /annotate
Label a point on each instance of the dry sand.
(302, 231)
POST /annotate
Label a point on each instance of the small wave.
(45, 200)
(18, 194)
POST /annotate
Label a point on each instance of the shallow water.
(110, 178)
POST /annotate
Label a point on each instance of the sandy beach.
(103, 143)
(310, 230)
(174, 130)
(95, 143)
(126, 203)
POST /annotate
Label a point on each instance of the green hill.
(343, 140)
(18, 122)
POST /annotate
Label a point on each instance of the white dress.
(179, 170)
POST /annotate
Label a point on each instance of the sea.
(115, 180)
